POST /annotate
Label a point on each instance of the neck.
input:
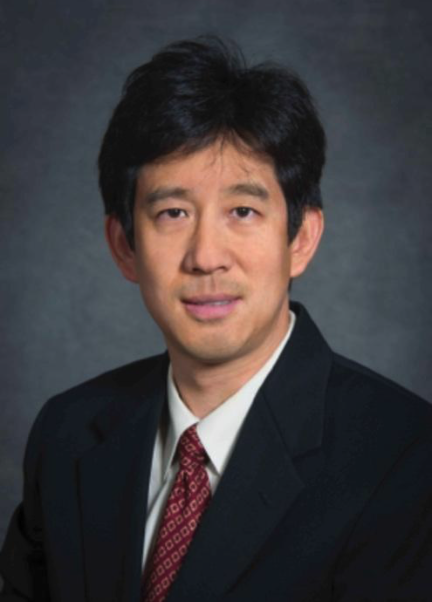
(203, 387)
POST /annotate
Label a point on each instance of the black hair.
(194, 92)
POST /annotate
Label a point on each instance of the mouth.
(210, 307)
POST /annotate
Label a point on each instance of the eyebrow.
(176, 192)
(165, 192)
(249, 189)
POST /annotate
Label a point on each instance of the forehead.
(220, 164)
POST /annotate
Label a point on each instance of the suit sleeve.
(22, 558)
(389, 554)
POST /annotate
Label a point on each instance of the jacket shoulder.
(97, 391)
(376, 404)
(117, 380)
(66, 418)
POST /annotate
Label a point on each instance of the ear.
(120, 249)
(306, 241)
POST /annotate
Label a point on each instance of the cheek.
(157, 278)
(155, 250)
(271, 265)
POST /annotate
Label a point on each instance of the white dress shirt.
(218, 432)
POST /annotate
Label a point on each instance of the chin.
(212, 353)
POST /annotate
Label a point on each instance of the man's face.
(211, 252)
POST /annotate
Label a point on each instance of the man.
(249, 462)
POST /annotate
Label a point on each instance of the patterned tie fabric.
(186, 503)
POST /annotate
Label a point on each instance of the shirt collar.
(218, 431)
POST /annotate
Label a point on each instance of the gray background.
(66, 312)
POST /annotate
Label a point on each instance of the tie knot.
(190, 449)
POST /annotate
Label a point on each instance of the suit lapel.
(261, 481)
(113, 485)
(259, 485)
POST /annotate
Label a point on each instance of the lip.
(210, 298)
(211, 307)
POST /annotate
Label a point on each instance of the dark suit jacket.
(327, 496)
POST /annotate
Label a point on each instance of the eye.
(244, 212)
(172, 213)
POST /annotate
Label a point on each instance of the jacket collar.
(295, 389)
(130, 402)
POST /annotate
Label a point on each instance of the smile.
(212, 302)
(211, 308)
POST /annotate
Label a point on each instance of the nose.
(207, 251)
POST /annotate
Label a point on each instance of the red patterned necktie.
(187, 501)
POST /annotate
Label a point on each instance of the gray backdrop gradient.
(68, 315)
